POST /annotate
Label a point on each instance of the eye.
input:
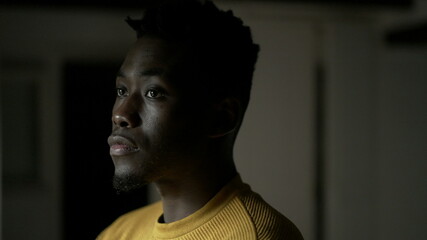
(121, 92)
(152, 93)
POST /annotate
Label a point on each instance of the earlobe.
(224, 118)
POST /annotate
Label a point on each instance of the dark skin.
(162, 135)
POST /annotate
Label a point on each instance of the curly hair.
(225, 52)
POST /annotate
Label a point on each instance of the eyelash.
(121, 92)
(155, 93)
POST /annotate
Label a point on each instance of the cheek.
(152, 120)
(155, 128)
(170, 126)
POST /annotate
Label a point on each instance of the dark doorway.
(90, 203)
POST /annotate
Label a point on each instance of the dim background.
(335, 136)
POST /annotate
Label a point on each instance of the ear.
(224, 117)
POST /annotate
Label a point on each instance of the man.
(182, 92)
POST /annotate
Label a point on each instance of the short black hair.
(226, 53)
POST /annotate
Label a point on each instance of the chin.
(125, 182)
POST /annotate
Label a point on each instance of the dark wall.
(90, 203)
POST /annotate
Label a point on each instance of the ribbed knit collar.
(203, 215)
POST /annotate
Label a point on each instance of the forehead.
(153, 53)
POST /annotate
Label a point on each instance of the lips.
(120, 146)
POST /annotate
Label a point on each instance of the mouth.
(120, 146)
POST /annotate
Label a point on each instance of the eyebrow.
(145, 73)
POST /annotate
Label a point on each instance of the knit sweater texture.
(236, 212)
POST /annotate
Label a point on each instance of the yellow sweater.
(234, 213)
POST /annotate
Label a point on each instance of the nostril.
(123, 124)
(121, 121)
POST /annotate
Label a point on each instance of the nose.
(121, 121)
(126, 113)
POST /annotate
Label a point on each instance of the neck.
(185, 195)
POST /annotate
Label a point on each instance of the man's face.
(157, 131)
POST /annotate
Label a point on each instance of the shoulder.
(268, 222)
(134, 223)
